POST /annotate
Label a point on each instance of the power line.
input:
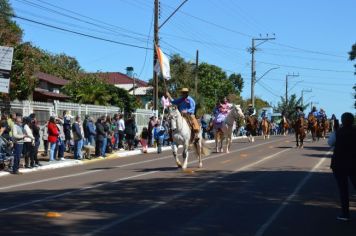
(97, 23)
(307, 50)
(77, 33)
(306, 68)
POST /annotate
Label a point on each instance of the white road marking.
(121, 166)
(274, 216)
(154, 206)
(74, 191)
(135, 176)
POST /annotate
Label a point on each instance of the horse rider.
(299, 112)
(314, 112)
(186, 105)
(322, 114)
(221, 111)
(251, 111)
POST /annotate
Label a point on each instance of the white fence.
(44, 110)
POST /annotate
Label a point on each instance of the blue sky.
(312, 39)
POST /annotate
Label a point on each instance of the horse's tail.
(204, 149)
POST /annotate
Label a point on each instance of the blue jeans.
(78, 145)
(116, 136)
(52, 151)
(103, 147)
(17, 155)
(91, 140)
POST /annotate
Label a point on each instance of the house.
(48, 88)
(139, 88)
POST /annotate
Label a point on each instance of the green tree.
(24, 66)
(89, 89)
(10, 32)
(352, 56)
(289, 109)
(237, 82)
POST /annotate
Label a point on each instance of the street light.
(305, 91)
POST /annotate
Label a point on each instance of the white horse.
(225, 132)
(181, 134)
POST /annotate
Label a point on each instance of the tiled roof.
(120, 78)
(51, 79)
(50, 94)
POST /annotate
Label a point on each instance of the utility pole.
(196, 74)
(292, 75)
(155, 43)
(156, 29)
(253, 69)
(305, 91)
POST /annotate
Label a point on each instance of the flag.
(163, 66)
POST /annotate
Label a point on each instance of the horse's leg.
(221, 148)
(296, 138)
(199, 148)
(228, 142)
(185, 155)
(301, 142)
(175, 155)
(216, 142)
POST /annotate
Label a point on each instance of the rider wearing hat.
(299, 111)
(251, 111)
(186, 105)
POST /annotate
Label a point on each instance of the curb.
(69, 163)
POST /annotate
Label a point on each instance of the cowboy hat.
(184, 90)
(250, 105)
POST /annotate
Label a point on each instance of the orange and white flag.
(162, 65)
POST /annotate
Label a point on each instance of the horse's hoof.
(200, 165)
(179, 165)
(227, 151)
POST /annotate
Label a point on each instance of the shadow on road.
(203, 203)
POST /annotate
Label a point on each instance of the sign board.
(6, 54)
(4, 81)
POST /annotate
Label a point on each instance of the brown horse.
(284, 126)
(313, 126)
(323, 128)
(299, 131)
(266, 126)
(251, 127)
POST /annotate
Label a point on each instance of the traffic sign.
(6, 54)
(4, 81)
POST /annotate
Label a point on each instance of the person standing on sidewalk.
(44, 132)
(67, 117)
(130, 131)
(100, 135)
(343, 162)
(53, 134)
(121, 131)
(158, 133)
(78, 136)
(36, 134)
(18, 136)
(91, 132)
(60, 143)
(144, 138)
(29, 143)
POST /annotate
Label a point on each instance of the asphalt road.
(262, 188)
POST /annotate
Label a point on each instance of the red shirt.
(53, 132)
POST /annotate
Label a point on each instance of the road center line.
(274, 216)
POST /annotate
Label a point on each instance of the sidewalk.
(72, 162)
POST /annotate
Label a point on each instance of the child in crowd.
(158, 134)
(144, 139)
